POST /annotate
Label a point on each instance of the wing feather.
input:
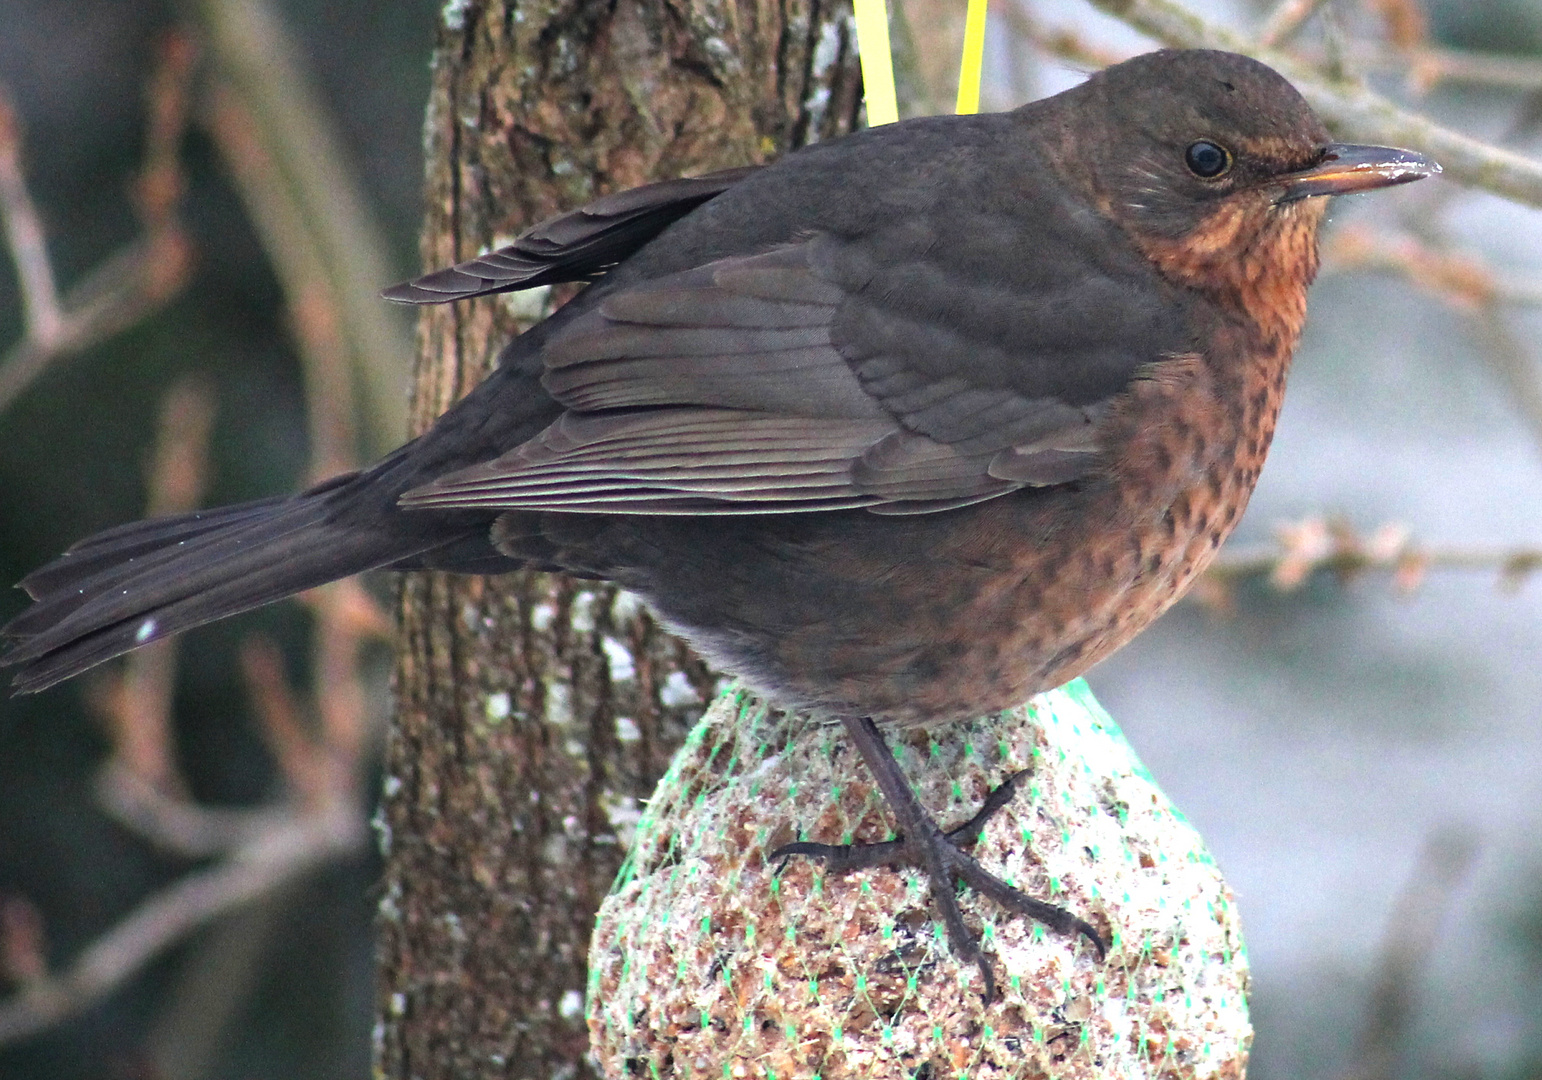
(794, 380)
(579, 245)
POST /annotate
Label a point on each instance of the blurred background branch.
(322, 749)
(240, 870)
(129, 284)
(1332, 546)
(1444, 865)
(287, 160)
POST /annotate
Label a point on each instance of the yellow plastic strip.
(974, 53)
(877, 62)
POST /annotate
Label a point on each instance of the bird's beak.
(1346, 167)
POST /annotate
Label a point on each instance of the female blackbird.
(905, 427)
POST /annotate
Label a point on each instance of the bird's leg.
(922, 843)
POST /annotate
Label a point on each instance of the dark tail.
(142, 582)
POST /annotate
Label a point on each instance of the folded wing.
(768, 384)
(577, 246)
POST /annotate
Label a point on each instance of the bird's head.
(1217, 168)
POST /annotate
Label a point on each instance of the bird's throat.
(1254, 258)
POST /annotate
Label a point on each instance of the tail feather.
(143, 582)
(118, 547)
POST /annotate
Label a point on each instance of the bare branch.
(24, 233)
(1406, 24)
(1349, 109)
(1305, 547)
(23, 948)
(1462, 280)
(214, 987)
(301, 758)
(347, 619)
(174, 824)
(1057, 41)
(1514, 364)
(265, 848)
(1443, 866)
(1428, 65)
(345, 614)
(179, 473)
(128, 285)
(305, 170)
(312, 296)
(309, 213)
(1286, 20)
(292, 847)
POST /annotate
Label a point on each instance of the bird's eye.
(1207, 160)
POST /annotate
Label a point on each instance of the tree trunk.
(534, 713)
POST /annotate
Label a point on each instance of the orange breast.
(1185, 450)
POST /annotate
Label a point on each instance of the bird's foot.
(923, 844)
(843, 858)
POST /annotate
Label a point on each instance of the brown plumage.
(905, 427)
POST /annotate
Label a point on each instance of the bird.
(902, 428)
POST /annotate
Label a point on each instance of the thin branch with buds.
(128, 285)
(1317, 544)
(260, 850)
(320, 747)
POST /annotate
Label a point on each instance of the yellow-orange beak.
(1346, 168)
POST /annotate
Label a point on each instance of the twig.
(1335, 46)
(213, 988)
(24, 233)
(1286, 20)
(1463, 280)
(281, 853)
(263, 848)
(1513, 564)
(129, 284)
(314, 302)
(1428, 65)
(1443, 865)
(1352, 111)
(1304, 547)
(265, 79)
(23, 949)
(1514, 364)
(348, 618)
(315, 769)
(1406, 24)
(310, 216)
(175, 825)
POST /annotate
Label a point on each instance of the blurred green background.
(1320, 739)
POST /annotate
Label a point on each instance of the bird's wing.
(802, 379)
(577, 246)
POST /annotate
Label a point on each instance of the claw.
(923, 844)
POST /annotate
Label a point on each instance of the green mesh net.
(707, 963)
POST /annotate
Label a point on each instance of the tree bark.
(534, 713)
